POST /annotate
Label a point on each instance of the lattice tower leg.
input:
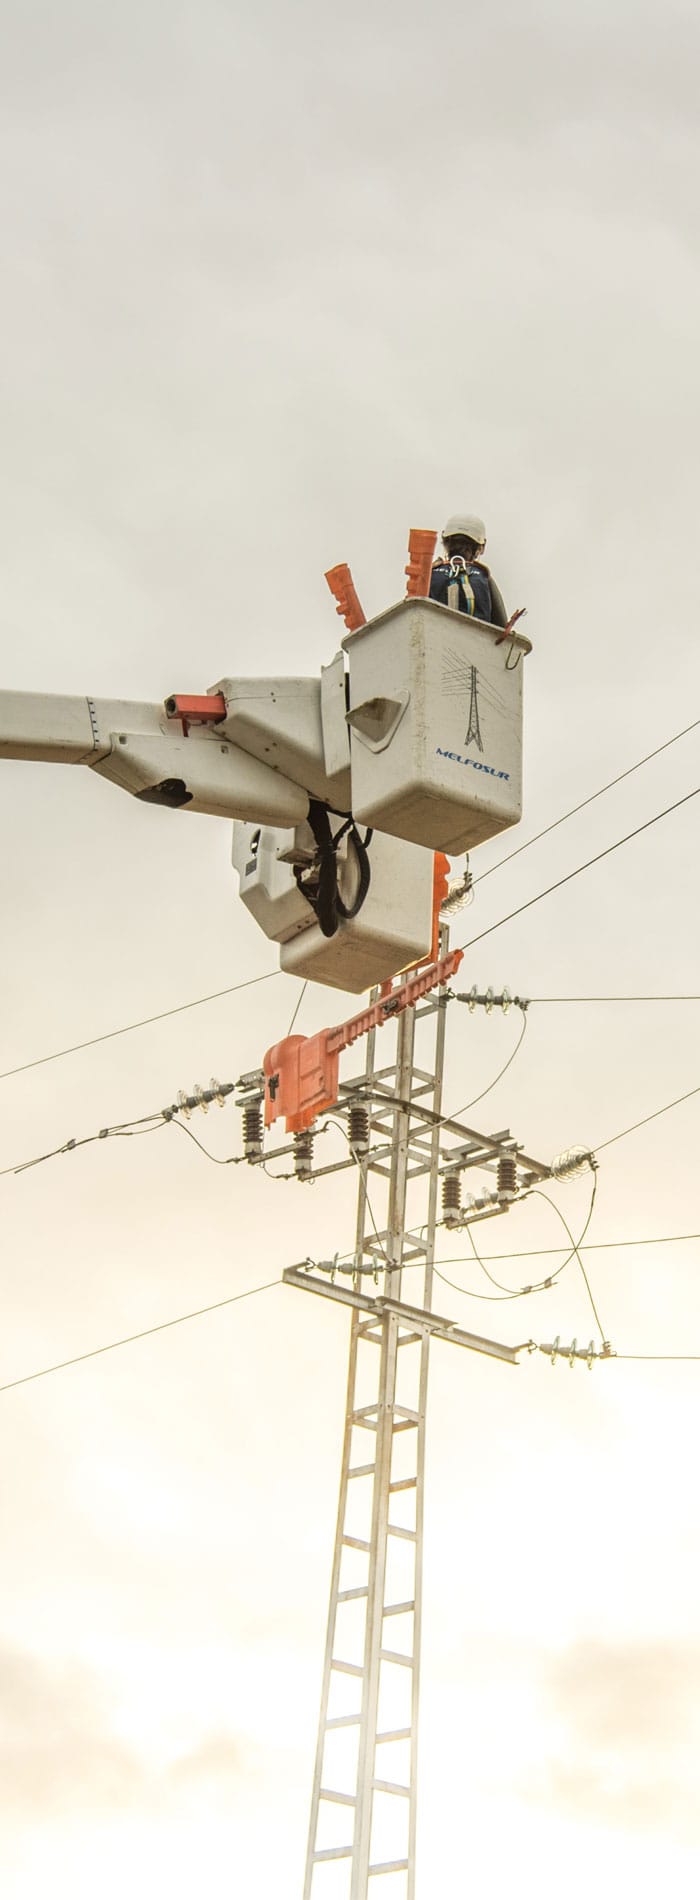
(377, 1487)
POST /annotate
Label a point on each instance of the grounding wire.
(569, 875)
(439, 1121)
(494, 1298)
(219, 1161)
(538, 1286)
(577, 1246)
(297, 1005)
(590, 800)
(492, 1085)
(363, 1166)
(146, 1333)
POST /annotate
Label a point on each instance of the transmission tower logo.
(461, 678)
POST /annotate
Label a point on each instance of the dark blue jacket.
(484, 601)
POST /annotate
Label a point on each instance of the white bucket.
(436, 719)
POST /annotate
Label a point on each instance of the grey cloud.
(219, 1759)
(626, 1715)
(58, 1751)
(633, 1695)
(640, 1803)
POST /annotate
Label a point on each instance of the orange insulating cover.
(301, 1079)
(421, 548)
(301, 1073)
(441, 872)
(196, 709)
(342, 586)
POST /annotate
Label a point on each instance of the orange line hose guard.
(342, 587)
(421, 548)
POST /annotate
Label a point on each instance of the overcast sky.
(278, 286)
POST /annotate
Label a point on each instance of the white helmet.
(471, 525)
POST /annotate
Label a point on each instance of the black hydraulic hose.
(363, 865)
(326, 900)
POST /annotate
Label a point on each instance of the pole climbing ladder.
(364, 1798)
(373, 1637)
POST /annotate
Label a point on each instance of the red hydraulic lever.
(301, 1073)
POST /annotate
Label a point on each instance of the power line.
(591, 1246)
(545, 1253)
(131, 1338)
(588, 801)
(579, 868)
(68, 1147)
(144, 1125)
(600, 1145)
(197, 1002)
(613, 999)
(145, 1021)
(665, 1358)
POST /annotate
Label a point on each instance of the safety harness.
(460, 585)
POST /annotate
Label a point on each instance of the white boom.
(415, 731)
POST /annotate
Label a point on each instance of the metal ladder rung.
(362, 1471)
(397, 1530)
(389, 1867)
(349, 1596)
(400, 1484)
(332, 1853)
(356, 1543)
(394, 1735)
(346, 1800)
(391, 1787)
(399, 1609)
(395, 1656)
(350, 1721)
(348, 1669)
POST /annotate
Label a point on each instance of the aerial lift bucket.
(436, 719)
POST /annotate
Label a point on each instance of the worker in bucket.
(461, 579)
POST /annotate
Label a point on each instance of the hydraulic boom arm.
(161, 756)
